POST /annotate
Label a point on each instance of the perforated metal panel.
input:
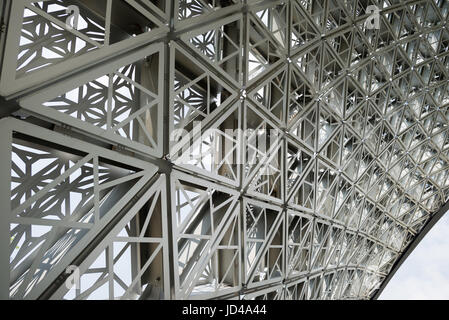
(207, 149)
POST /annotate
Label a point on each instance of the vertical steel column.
(5, 207)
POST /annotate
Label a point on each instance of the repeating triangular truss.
(219, 149)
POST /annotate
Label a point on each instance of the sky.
(425, 273)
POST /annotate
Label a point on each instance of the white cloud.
(425, 274)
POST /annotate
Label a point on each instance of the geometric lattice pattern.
(207, 149)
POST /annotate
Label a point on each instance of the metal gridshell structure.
(89, 176)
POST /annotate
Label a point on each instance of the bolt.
(243, 94)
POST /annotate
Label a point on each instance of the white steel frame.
(90, 176)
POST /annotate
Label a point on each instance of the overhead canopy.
(219, 149)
